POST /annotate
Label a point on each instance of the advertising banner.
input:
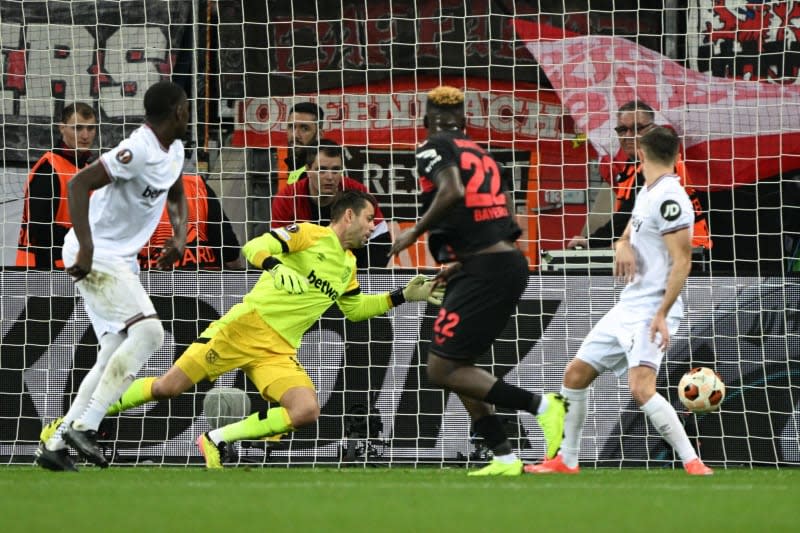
(372, 373)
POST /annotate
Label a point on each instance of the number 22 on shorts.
(443, 327)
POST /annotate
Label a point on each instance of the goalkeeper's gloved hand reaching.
(421, 289)
(288, 279)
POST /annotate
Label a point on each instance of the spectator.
(210, 240)
(281, 166)
(302, 137)
(45, 215)
(310, 198)
(634, 119)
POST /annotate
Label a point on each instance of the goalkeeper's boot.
(85, 443)
(57, 460)
(50, 429)
(212, 453)
(496, 468)
(697, 468)
(552, 423)
(552, 466)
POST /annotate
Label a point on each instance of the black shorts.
(478, 303)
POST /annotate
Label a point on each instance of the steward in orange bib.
(210, 240)
(45, 213)
(633, 119)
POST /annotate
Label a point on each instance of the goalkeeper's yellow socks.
(140, 392)
(256, 426)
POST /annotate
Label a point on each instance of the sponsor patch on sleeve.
(124, 156)
(432, 157)
(670, 210)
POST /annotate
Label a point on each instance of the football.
(701, 390)
(225, 405)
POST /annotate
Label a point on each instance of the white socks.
(506, 459)
(573, 424)
(665, 420)
(657, 409)
(543, 403)
(144, 338)
(108, 344)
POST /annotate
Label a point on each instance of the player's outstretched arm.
(357, 306)
(87, 180)
(450, 191)
(422, 289)
(178, 212)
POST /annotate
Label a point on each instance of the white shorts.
(112, 294)
(621, 340)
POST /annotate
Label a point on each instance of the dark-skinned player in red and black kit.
(467, 214)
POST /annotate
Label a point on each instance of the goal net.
(543, 83)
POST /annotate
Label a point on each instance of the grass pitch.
(151, 500)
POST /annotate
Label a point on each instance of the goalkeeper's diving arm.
(357, 306)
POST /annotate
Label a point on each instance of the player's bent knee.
(641, 393)
(302, 406)
(148, 334)
(579, 374)
(303, 415)
(642, 384)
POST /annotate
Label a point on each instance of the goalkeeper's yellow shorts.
(251, 344)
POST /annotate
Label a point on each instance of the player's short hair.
(161, 99)
(661, 145)
(310, 108)
(446, 98)
(351, 199)
(638, 105)
(83, 110)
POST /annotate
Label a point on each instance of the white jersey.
(124, 213)
(660, 208)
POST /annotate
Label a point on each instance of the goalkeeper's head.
(444, 109)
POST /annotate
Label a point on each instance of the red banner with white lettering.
(389, 113)
(735, 132)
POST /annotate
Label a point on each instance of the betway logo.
(323, 286)
(152, 193)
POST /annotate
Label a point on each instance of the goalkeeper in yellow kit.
(308, 268)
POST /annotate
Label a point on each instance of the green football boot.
(552, 422)
(496, 468)
(50, 429)
(210, 451)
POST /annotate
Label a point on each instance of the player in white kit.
(131, 184)
(654, 258)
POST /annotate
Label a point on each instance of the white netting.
(543, 81)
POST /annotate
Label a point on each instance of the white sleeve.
(126, 161)
(673, 212)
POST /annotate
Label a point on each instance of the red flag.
(734, 132)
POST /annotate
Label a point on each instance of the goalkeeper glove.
(421, 289)
(287, 279)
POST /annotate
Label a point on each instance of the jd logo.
(670, 210)
(152, 193)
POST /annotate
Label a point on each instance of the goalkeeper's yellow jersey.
(314, 252)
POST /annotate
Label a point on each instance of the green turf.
(149, 500)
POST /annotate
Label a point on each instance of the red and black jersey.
(483, 217)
